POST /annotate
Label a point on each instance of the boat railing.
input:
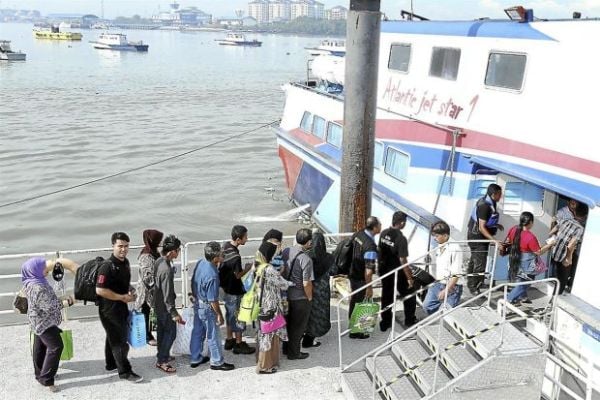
(190, 254)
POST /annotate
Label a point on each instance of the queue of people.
(292, 287)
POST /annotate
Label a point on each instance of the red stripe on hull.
(292, 166)
(418, 132)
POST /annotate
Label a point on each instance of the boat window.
(399, 57)
(306, 123)
(506, 70)
(378, 160)
(334, 135)
(396, 164)
(523, 196)
(444, 63)
(318, 128)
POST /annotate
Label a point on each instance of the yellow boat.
(55, 34)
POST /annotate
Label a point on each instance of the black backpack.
(342, 256)
(85, 280)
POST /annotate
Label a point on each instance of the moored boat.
(54, 33)
(334, 47)
(7, 54)
(238, 39)
(118, 42)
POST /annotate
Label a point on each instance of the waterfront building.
(280, 11)
(259, 10)
(307, 8)
(336, 13)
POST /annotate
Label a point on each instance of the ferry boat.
(461, 105)
(7, 54)
(238, 39)
(335, 47)
(117, 41)
(54, 33)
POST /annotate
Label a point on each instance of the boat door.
(519, 196)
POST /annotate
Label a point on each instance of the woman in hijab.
(270, 285)
(146, 259)
(276, 237)
(319, 322)
(44, 314)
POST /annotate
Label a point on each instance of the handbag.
(20, 302)
(181, 345)
(248, 280)
(540, 265)
(364, 317)
(137, 329)
(249, 306)
(277, 322)
(67, 340)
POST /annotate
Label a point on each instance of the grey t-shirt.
(301, 271)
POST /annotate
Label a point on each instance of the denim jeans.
(232, 308)
(166, 330)
(205, 327)
(432, 303)
(520, 291)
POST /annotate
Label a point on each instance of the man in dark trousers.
(299, 270)
(167, 315)
(114, 292)
(364, 261)
(393, 252)
(482, 225)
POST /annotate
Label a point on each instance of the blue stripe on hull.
(311, 186)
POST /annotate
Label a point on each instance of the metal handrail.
(427, 257)
(439, 316)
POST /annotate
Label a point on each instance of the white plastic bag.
(184, 332)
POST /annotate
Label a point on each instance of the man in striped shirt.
(569, 233)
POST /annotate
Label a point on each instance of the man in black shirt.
(364, 261)
(393, 252)
(114, 292)
(483, 225)
(230, 274)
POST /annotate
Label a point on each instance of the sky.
(432, 9)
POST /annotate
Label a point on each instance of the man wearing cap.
(164, 302)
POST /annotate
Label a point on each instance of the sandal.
(268, 371)
(166, 367)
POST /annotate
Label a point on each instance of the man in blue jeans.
(207, 312)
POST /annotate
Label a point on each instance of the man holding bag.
(164, 302)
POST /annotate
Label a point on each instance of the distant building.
(249, 21)
(337, 12)
(259, 10)
(280, 11)
(230, 21)
(307, 8)
(185, 16)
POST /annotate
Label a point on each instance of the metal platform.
(410, 353)
(388, 369)
(456, 360)
(504, 338)
(357, 386)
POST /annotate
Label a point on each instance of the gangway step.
(357, 386)
(457, 359)
(411, 353)
(388, 369)
(468, 322)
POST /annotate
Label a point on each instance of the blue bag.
(137, 329)
(248, 280)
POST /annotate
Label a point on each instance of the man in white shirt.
(449, 263)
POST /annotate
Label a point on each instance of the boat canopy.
(571, 188)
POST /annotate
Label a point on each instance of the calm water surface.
(72, 113)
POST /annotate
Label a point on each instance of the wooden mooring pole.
(360, 104)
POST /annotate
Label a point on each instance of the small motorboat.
(238, 39)
(7, 54)
(117, 41)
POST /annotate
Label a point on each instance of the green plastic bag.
(364, 317)
(249, 306)
(67, 339)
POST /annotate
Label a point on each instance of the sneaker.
(243, 348)
(384, 325)
(359, 336)
(526, 300)
(133, 377)
(229, 344)
(152, 342)
(223, 367)
(110, 367)
(300, 356)
(204, 360)
(410, 322)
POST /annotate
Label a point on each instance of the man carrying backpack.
(114, 292)
(364, 261)
(483, 225)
